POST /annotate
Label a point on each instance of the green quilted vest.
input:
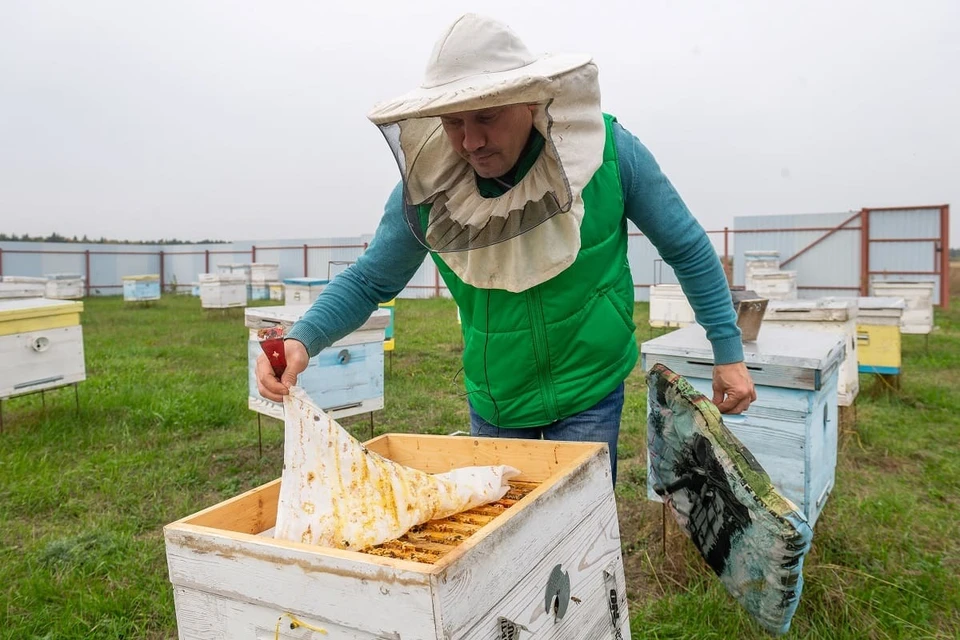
(556, 349)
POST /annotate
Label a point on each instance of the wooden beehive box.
(242, 268)
(64, 286)
(878, 335)
(22, 287)
(918, 316)
(669, 306)
(41, 345)
(344, 379)
(828, 315)
(482, 575)
(775, 285)
(264, 272)
(791, 429)
(389, 339)
(141, 288)
(276, 291)
(223, 290)
(302, 290)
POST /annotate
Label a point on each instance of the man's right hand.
(272, 388)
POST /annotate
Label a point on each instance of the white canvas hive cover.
(334, 492)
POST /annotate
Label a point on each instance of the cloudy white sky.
(247, 120)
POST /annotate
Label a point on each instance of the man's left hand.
(732, 387)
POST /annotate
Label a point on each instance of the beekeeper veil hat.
(531, 232)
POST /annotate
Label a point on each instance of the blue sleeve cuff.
(314, 341)
(727, 350)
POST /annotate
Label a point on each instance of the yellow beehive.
(878, 335)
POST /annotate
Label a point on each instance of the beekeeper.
(519, 188)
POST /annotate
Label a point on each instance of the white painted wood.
(826, 315)
(918, 316)
(231, 580)
(44, 359)
(779, 285)
(64, 286)
(350, 590)
(484, 572)
(235, 268)
(264, 272)
(778, 358)
(583, 550)
(303, 290)
(16, 287)
(669, 306)
(222, 290)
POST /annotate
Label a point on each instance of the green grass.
(164, 431)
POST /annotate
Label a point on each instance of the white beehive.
(918, 316)
(344, 379)
(791, 429)
(775, 285)
(545, 562)
(41, 345)
(264, 273)
(669, 306)
(64, 286)
(223, 290)
(303, 290)
(759, 262)
(827, 315)
(22, 287)
(235, 268)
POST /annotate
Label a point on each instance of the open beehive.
(545, 558)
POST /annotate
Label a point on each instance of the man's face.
(490, 139)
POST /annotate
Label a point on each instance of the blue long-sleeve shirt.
(650, 202)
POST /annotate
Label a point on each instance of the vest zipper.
(538, 330)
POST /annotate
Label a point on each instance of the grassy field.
(164, 431)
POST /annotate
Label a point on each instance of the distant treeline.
(56, 237)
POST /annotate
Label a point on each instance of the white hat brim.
(479, 91)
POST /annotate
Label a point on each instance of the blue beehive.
(344, 379)
(141, 288)
(791, 429)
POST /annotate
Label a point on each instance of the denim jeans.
(599, 423)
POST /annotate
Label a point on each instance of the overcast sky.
(247, 120)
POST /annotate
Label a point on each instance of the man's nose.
(473, 138)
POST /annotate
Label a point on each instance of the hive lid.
(287, 315)
(223, 278)
(780, 357)
(819, 310)
(21, 308)
(305, 281)
(153, 276)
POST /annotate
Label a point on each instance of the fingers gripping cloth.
(335, 492)
(753, 538)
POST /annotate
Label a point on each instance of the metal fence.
(833, 254)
